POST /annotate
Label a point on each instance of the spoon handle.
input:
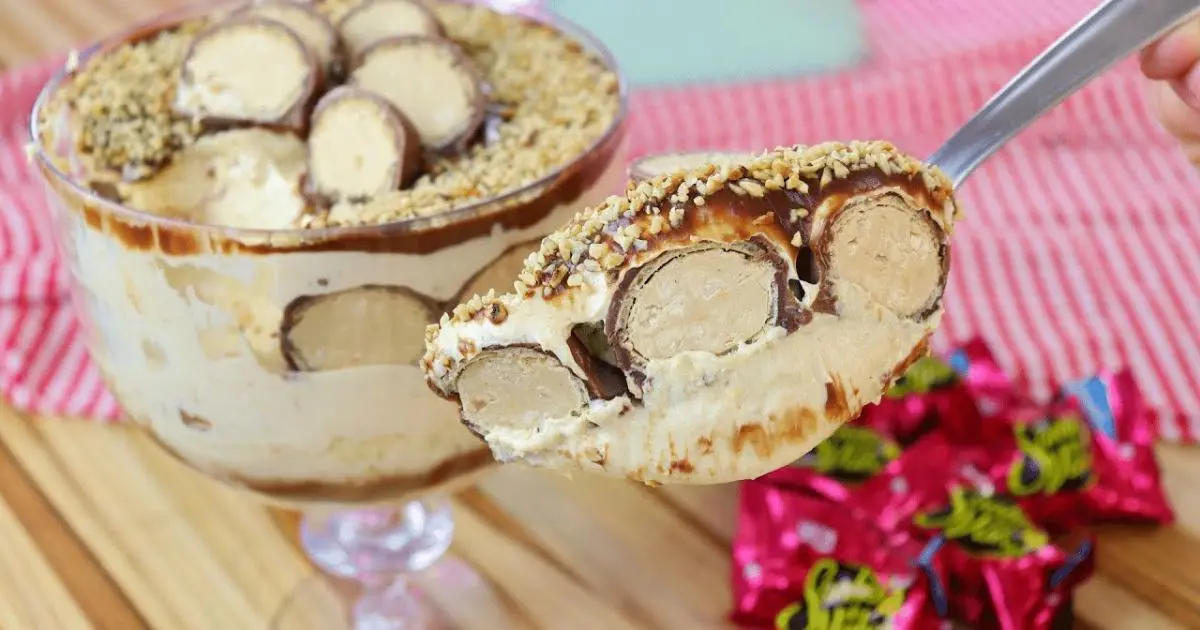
(1108, 34)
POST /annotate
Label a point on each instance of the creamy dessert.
(713, 324)
(264, 205)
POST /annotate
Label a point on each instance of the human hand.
(1173, 65)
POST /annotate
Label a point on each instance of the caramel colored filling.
(359, 154)
(517, 387)
(427, 85)
(223, 84)
(890, 251)
(362, 326)
(709, 301)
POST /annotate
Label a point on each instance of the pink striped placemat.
(1080, 248)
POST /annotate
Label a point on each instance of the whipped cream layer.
(262, 330)
(809, 371)
(712, 324)
(191, 346)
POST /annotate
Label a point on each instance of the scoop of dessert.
(713, 324)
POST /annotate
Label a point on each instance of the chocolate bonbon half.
(360, 146)
(373, 21)
(429, 80)
(313, 28)
(364, 325)
(278, 88)
(751, 309)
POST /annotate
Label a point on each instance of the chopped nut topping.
(603, 244)
(676, 216)
(558, 100)
(754, 188)
(123, 103)
(497, 313)
(553, 98)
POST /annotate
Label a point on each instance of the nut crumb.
(595, 231)
(676, 216)
(497, 313)
(557, 100)
(754, 188)
(765, 218)
(123, 100)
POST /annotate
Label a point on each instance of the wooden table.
(100, 530)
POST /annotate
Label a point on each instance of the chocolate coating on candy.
(360, 147)
(524, 383)
(249, 71)
(367, 325)
(501, 385)
(710, 297)
(738, 357)
(879, 245)
(431, 82)
(376, 20)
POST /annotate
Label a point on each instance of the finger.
(1188, 87)
(1172, 55)
(1174, 113)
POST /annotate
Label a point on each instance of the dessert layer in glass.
(268, 333)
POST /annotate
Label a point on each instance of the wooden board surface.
(100, 530)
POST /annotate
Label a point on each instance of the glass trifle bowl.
(262, 321)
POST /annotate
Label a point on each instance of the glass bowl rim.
(441, 220)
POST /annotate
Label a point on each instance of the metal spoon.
(1107, 35)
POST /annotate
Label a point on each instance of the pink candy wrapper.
(1003, 570)
(804, 563)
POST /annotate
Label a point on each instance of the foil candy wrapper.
(803, 563)
(1083, 459)
(1003, 571)
(992, 487)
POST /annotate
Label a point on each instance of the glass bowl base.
(450, 595)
